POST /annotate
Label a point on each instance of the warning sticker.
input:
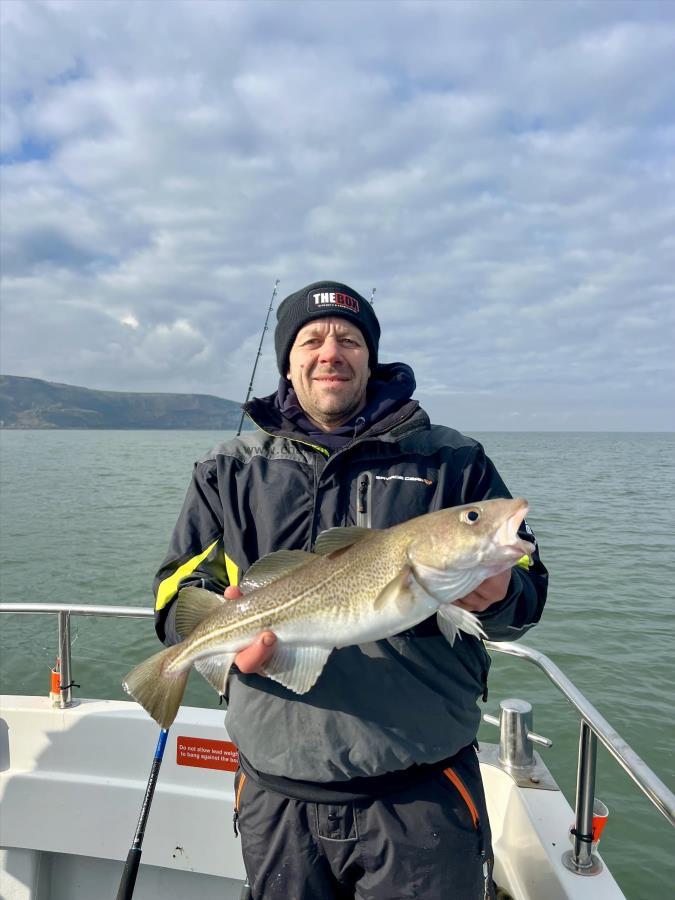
(206, 754)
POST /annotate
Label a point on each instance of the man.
(368, 785)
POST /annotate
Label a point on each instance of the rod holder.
(66, 686)
(581, 860)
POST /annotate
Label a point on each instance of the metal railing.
(593, 725)
(64, 613)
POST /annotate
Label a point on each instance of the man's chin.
(333, 415)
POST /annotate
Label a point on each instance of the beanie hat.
(323, 298)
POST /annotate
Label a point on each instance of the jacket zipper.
(363, 518)
(452, 776)
(315, 504)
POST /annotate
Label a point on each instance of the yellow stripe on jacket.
(168, 588)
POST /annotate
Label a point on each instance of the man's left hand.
(490, 591)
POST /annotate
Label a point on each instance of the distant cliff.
(32, 403)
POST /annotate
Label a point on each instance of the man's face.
(328, 368)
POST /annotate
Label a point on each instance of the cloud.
(502, 173)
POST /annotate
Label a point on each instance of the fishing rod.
(255, 364)
(128, 880)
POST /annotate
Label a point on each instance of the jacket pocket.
(239, 781)
(453, 777)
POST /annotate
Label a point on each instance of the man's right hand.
(251, 658)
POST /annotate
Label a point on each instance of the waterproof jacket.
(376, 708)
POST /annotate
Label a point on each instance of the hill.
(33, 403)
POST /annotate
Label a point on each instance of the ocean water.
(85, 517)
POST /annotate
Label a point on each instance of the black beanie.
(324, 298)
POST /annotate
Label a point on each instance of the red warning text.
(206, 754)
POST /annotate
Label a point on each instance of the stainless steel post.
(515, 719)
(64, 656)
(581, 858)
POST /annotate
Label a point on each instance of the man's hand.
(490, 591)
(251, 658)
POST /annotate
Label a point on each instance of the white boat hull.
(72, 781)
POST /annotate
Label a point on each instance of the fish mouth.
(507, 536)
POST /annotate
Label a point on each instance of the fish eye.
(470, 516)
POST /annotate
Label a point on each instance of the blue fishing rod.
(128, 880)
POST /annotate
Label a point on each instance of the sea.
(85, 517)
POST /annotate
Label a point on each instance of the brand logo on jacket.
(327, 299)
(403, 478)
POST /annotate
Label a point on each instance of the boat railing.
(593, 727)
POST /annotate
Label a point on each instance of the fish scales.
(328, 581)
(280, 608)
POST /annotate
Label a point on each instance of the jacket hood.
(389, 390)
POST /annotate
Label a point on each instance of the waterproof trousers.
(430, 841)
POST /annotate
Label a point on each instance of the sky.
(502, 173)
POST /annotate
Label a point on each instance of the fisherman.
(368, 785)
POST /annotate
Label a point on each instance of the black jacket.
(377, 708)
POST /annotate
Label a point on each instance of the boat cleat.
(515, 754)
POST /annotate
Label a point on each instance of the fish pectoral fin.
(401, 592)
(216, 669)
(194, 604)
(335, 539)
(297, 668)
(273, 566)
(453, 619)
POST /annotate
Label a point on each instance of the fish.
(358, 585)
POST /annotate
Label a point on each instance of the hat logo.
(326, 299)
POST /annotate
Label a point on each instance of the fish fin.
(297, 668)
(216, 669)
(273, 566)
(448, 584)
(400, 592)
(160, 693)
(194, 605)
(334, 539)
(452, 620)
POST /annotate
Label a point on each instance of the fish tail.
(158, 690)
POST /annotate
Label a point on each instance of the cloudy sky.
(503, 173)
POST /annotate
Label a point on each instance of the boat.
(73, 776)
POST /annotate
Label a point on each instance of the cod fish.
(359, 585)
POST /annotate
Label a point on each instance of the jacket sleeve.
(522, 607)
(196, 555)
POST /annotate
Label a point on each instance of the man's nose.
(331, 351)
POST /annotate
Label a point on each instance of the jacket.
(378, 708)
